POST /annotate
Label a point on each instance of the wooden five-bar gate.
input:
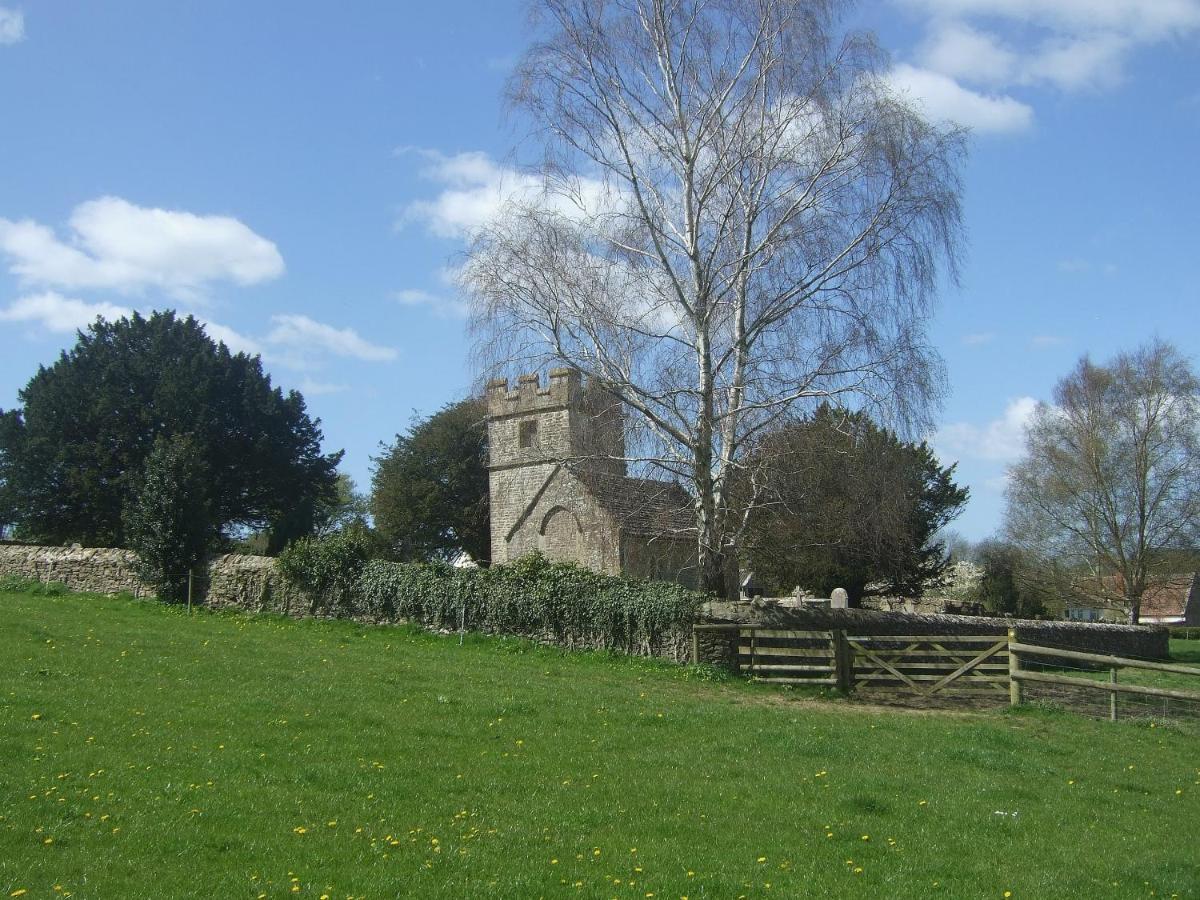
(961, 666)
(924, 665)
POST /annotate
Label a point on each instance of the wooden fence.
(1020, 676)
(928, 666)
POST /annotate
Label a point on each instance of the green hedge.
(533, 597)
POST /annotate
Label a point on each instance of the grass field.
(147, 754)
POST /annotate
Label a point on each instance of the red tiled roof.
(1168, 598)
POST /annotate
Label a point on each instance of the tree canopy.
(844, 503)
(429, 490)
(75, 453)
(1109, 486)
(739, 215)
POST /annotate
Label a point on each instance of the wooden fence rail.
(947, 665)
(1019, 676)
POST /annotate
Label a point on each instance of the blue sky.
(300, 176)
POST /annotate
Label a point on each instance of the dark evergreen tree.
(75, 453)
(1008, 586)
(169, 523)
(429, 491)
(845, 503)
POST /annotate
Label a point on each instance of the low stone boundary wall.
(1144, 642)
(230, 581)
(96, 570)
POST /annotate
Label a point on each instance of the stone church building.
(559, 484)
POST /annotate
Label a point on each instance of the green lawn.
(147, 754)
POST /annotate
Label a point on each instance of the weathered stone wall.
(242, 582)
(1119, 640)
(252, 583)
(98, 570)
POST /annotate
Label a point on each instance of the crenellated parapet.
(563, 388)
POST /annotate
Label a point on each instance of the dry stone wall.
(231, 581)
(97, 570)
(1118, 640)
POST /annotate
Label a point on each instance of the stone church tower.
(558, 484)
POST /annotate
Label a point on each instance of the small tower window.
(528, 433)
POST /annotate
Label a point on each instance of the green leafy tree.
(1008, 585)
(1109, 486)
(429, 492)
(169, 522)
(328, 568)
(345, 508)
(844, 503)
(75, 453)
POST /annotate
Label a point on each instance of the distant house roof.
(1170, 600)
(644, 506)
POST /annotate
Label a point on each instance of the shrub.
(328, 569)
(534, 597)
(168, 523)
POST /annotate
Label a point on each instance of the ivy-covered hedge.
(532, 597)
(536, 598)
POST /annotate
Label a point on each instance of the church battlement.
(563, 388)
(532, 424)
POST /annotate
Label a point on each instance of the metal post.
(189, 592)
(1112, 696)
(1014, 666)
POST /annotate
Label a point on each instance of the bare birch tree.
(1110, 481)
(739, 218)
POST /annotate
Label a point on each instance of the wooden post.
(1014, 666)
(1112, 698)
(190, 591)
(695, 646)
(753, 648)
(843, 664)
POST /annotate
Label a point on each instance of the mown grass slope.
(145, 753)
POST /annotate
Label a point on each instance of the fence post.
(1014, 666)
(843, 664)
(1112, 695)
(753, 648)
(189, 592)
(695, 646)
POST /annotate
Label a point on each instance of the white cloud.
(234, 340)
(960, 51)
(943, 98)
(1046, 341)
(12, 25)
(300, 333)
(1070, 45)
(55, 312)
(979, 338)
(321, 388)
(1142, 19)
(1094, 61)
(445, 307)
(1001, 440)
(113, 244)
(476, 188)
